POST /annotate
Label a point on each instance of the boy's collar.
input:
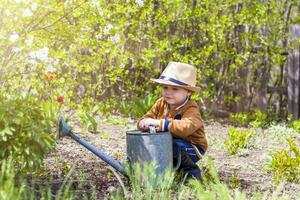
(185, 102)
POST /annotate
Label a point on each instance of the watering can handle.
(152, 129)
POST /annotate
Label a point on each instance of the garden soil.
(89, 176)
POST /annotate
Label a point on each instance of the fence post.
(263, 77)
(294, 75)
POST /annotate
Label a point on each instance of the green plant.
(210, 186)
(16, 186)
(51, 109)
(66, 168)
(140, 106)
(242, 119)
(103, 134)
(255, 119)
(285, 164)
(25, 130)
(8, 190)
(88, 121)
(295, 125)
(114, 120)
(259, 119)
(135, 46)
(235, 181)
(125, 108)
(146, 184)
(238, 139)
(86, 114)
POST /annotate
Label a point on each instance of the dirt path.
(89, 174)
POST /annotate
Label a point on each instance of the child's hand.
(145, 123)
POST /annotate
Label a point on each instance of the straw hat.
(179, 74)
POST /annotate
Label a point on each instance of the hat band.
(173, 80)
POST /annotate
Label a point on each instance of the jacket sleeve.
(190, 122)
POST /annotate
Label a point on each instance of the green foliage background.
(100, 56)
(106, 51)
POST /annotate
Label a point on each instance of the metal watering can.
(141, 147)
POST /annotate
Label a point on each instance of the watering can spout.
(65, 130)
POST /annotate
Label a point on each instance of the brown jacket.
(189, 128)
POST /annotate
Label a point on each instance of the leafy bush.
(259, 119)
(25, 130)
(135, 46)
(295, 125)
(285, 164)
(254, 119)
(242, 119)
(238, 139)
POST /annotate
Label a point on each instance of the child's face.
(175, 96)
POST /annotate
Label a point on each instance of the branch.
(56, 21)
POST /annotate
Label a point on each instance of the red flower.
(60, 99)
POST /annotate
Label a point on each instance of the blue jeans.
(188, 157)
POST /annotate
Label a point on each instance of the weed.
(238, 139)
(295, 125)
(66, 168)
(116, 120)
(259, 119)
(234, 181)
(104, 135)
(285, 164)
(88, 121)
(117, 155)
(255, 119)
(242, 119)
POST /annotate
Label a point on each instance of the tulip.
(51, 76)
(60, 99)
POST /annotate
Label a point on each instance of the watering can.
(141, 147)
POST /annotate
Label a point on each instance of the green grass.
(14, 186)
(168, 187)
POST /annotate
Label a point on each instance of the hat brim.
(166, 82)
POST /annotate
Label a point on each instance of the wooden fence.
(288, 95)
(293, 86)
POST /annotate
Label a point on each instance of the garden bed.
(89, 175)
